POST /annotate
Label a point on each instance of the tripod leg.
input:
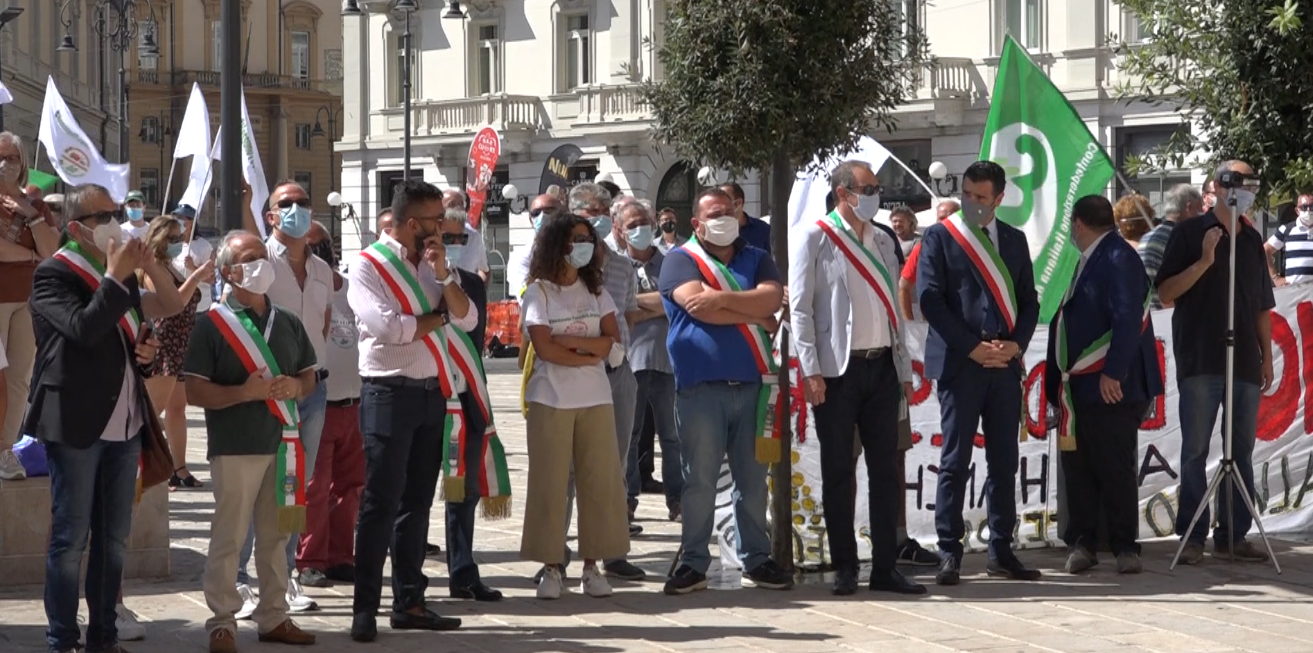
(1253, 511)
(1231, 475)
(1198, 514)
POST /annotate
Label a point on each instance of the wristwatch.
(35, 221)
(451, 277)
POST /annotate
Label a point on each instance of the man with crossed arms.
(856, 369)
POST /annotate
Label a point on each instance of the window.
(1023, 22)
(152, 130)
(216, 46)
(897, 185)
(487, 76)
(910, 13)
(333, 64)
(150, 186)
(1145, 143)
(303, 136)
(301, 55)
(1133, 31)
(398, 65)
(577, 57)
(303, 179)
(146, 28)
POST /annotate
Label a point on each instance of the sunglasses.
(549, 211)
(173, 240)
(867, 190)
(455, 239)
(287, 204)
(1306, 207)
(103, 217)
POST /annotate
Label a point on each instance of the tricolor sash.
(493, 474)
(91, 271)
(410, 295)
(867, 264)
(252, 348)
(719, 278)
(989, 266)
(1088, 361)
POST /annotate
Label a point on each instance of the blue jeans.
(658, 390)
(312, 410)
(1201, 398)
(716, 420)
(91, 494)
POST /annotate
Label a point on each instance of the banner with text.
(1283, 455)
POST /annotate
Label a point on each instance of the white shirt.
(569, 310)
(870, 322)
(387, 334)
(517, 269)
(309, 304)
(1085, 257)
(474, 258)
(134, 231)
(343, 359)
(126, 420)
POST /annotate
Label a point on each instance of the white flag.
(252, 169)
(807, 200)
(5, 96)
(72, 154)
(194, 142)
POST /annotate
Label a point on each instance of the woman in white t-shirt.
(571, 321)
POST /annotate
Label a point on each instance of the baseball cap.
(185, 211)
(135, 196)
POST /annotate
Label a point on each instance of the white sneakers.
(593, 583)
(130, 630)
(10, 468)
(550, 586)
(248, 602)
(297, 601)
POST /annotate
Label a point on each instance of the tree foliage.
(1241, 70)
(745, 80)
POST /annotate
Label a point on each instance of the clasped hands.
(995, 353)
(278, 388)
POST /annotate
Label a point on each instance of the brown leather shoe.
(223, 640)
(288, 633)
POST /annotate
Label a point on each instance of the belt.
(869, 354)
(320, 375)
(404, 382)
(610, 369)
(344, 403)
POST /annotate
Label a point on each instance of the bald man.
(907, 282)
(544, 207)
(475, 256)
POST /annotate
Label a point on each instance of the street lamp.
(939, 173)
(512, 194)
(406, 8)
(331, 135)
(155, 131)
(116, 24)
(7, 16)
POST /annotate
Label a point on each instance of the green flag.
(1051, 160)
(42, 180)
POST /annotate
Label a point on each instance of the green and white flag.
(1051, 160)
(252, 168)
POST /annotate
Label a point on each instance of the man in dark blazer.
(977, 292)
(1101, 373)
(88, 404)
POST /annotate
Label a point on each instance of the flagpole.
(204, 196)
(168, 187)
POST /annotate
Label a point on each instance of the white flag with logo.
(5, 96)
(70, 151)
(194, 141)
(252, 169)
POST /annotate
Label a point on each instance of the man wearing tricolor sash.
(1101, 375)
(406, 410)
(88, 405)
(846, 328)
(976, 287)
(721, 296)
(248, 364)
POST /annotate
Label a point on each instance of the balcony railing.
(953, 77)
(251, 80)
(610, 104)
(149, 76)
(506, 113)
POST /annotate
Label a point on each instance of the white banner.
(73, 156)
(1283, 455)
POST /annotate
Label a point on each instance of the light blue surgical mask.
(174, 250)
(294, 221)
(537, 222)
(454, 252)
(580, 255)
(601, 224)
(640, 237)
(136, 214)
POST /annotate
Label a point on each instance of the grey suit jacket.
(820, 310)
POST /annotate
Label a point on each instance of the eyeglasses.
(588, 238)
(1306, 207)
(174, 240)
(455, 239)
(103, 217)
(287, 204)
(867, 190)
(550, 211)
(12, 159)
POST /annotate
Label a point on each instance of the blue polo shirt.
(701, 352)
(757, 233)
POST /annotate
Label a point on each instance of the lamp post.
(939, 173)
(116, 24)
(331, 134)
(512, 195)
(7, 16)
(155, 130)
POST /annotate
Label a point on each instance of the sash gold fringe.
(495, 508)
(453, 489)
(768, 450)
(291, 519)
(136, 498)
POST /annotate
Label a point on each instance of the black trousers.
(462, 570)
(402, 427)
(1101, 474)
(865, 398)
(647, 446)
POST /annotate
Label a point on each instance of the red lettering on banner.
(1036, 424)
(1304, 313)
(1158, 419)
(921, 386)
(1276, 412)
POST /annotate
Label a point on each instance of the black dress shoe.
(1012, 569)
(341, 573)
(364, 628)
(476, 591)
(427, 621)
(653, 486)
(432, 550)
(845, 581)
(893, 581)
(949, 572)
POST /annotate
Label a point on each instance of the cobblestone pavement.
(1217, 608)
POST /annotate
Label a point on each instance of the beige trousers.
(20, 348)
(584, 437)
(244, 489)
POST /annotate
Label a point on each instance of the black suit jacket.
(477, 291)
(81, 356)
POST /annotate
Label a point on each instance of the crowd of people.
(338, 396)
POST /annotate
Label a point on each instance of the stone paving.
(1217, 608)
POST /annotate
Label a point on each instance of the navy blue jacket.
(1109, 296)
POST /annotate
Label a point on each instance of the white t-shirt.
(517, 269)
(309, 303)
(343, 358)
(474, 258)
(573, 311)
(136, 232)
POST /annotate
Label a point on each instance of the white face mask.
(1306, 218)
(10, 172)
(103, 234)
(257, 276)
(722, 231)
(1244, 200)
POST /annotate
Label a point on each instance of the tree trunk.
(781, 185)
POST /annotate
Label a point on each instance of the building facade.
(547, 73)
(292, 53)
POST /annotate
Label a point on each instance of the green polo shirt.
(250, 428)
